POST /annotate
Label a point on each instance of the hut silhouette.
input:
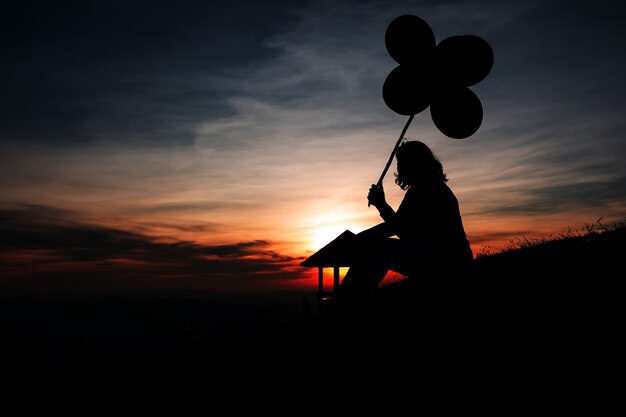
(337, 253)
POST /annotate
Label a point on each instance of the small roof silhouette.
(335, 253)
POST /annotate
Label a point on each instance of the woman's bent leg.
(362, 279)
(368, 268)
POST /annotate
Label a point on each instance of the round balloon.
(410, 40)
(457, 112)
(463, 60)
(407, 90)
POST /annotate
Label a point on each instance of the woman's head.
(417, 164)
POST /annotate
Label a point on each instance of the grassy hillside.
(593, 250)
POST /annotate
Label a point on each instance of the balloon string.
(393, 153)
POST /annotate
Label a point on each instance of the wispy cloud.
(64, 246)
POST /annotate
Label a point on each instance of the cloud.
(184, 207)
(39, 242)
(183, 227)
(124, 71)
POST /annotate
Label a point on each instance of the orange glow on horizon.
(326, 227)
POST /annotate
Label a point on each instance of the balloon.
(410, 40)
(463, 60)
(457, 112)
(407, 90)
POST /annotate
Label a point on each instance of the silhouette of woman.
(430, 240)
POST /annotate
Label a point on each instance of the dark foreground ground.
(554, 310)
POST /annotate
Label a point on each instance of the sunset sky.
(212, 146)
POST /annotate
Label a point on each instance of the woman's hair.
(417, 164)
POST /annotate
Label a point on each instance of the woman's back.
(429, 221)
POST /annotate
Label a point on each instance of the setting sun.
(326, 227)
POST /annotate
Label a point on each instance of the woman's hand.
(376, 196)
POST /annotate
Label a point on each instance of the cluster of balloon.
(436, 75)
